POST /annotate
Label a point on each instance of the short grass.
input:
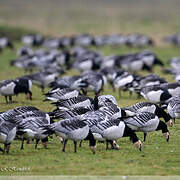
(157, 157)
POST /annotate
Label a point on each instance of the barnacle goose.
(147, 122)
(155, 94)
(173, 107)
(95, 81)
(30, 126)
(113, 129)
(172, 88)
(7, 134)
(72, 128)
(8, 88)
(58, 94)
(5, 42)
(79, 101)
(42, 79)
(148, 107)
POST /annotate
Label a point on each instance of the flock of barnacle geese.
(77, 116)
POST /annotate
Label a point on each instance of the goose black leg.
(6, 99)
(10, 99)
(64, 146)
(37, 141)
(107, 143)
(145, 134)
(22, 144)
(130, 94)
(6, 148)
(80, 144)
(174, 120)
(75, 146)
(1, 150)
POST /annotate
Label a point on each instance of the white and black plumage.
(95, 81)
(7, 134)
(68, 113)
(172, 88)
(73, 82)
(42, 79)
(155, 94)
(173, 107)
(58, 94)
(8, 88)
(151, 79)
(72, 128)
(148, 107)
(113, 129)
(80, 101)
(147, 122)
(32, 39)
(104, 98)
(5, 42)
(30, 126)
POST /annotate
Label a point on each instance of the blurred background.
(156, 18)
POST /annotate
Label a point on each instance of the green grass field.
(156, 18)
(157, 158)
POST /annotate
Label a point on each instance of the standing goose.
(58, 94)
(72, 128)
(42, 79)
(147, 122)
(155, 94)
(148, 107)
(8, 88)
(95, 81)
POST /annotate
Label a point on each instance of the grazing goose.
(80, 101)
(148, 107)
(8, 88)
(58, 94)
(173, 107)
(42, 79)
(30, 126)
(113, 129)
(147, 122)
(155, 94)
(72, 128)
(7, 134)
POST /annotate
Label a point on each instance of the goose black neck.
(96, 107)
(161, 113)
(128, 132)
(162, 126)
